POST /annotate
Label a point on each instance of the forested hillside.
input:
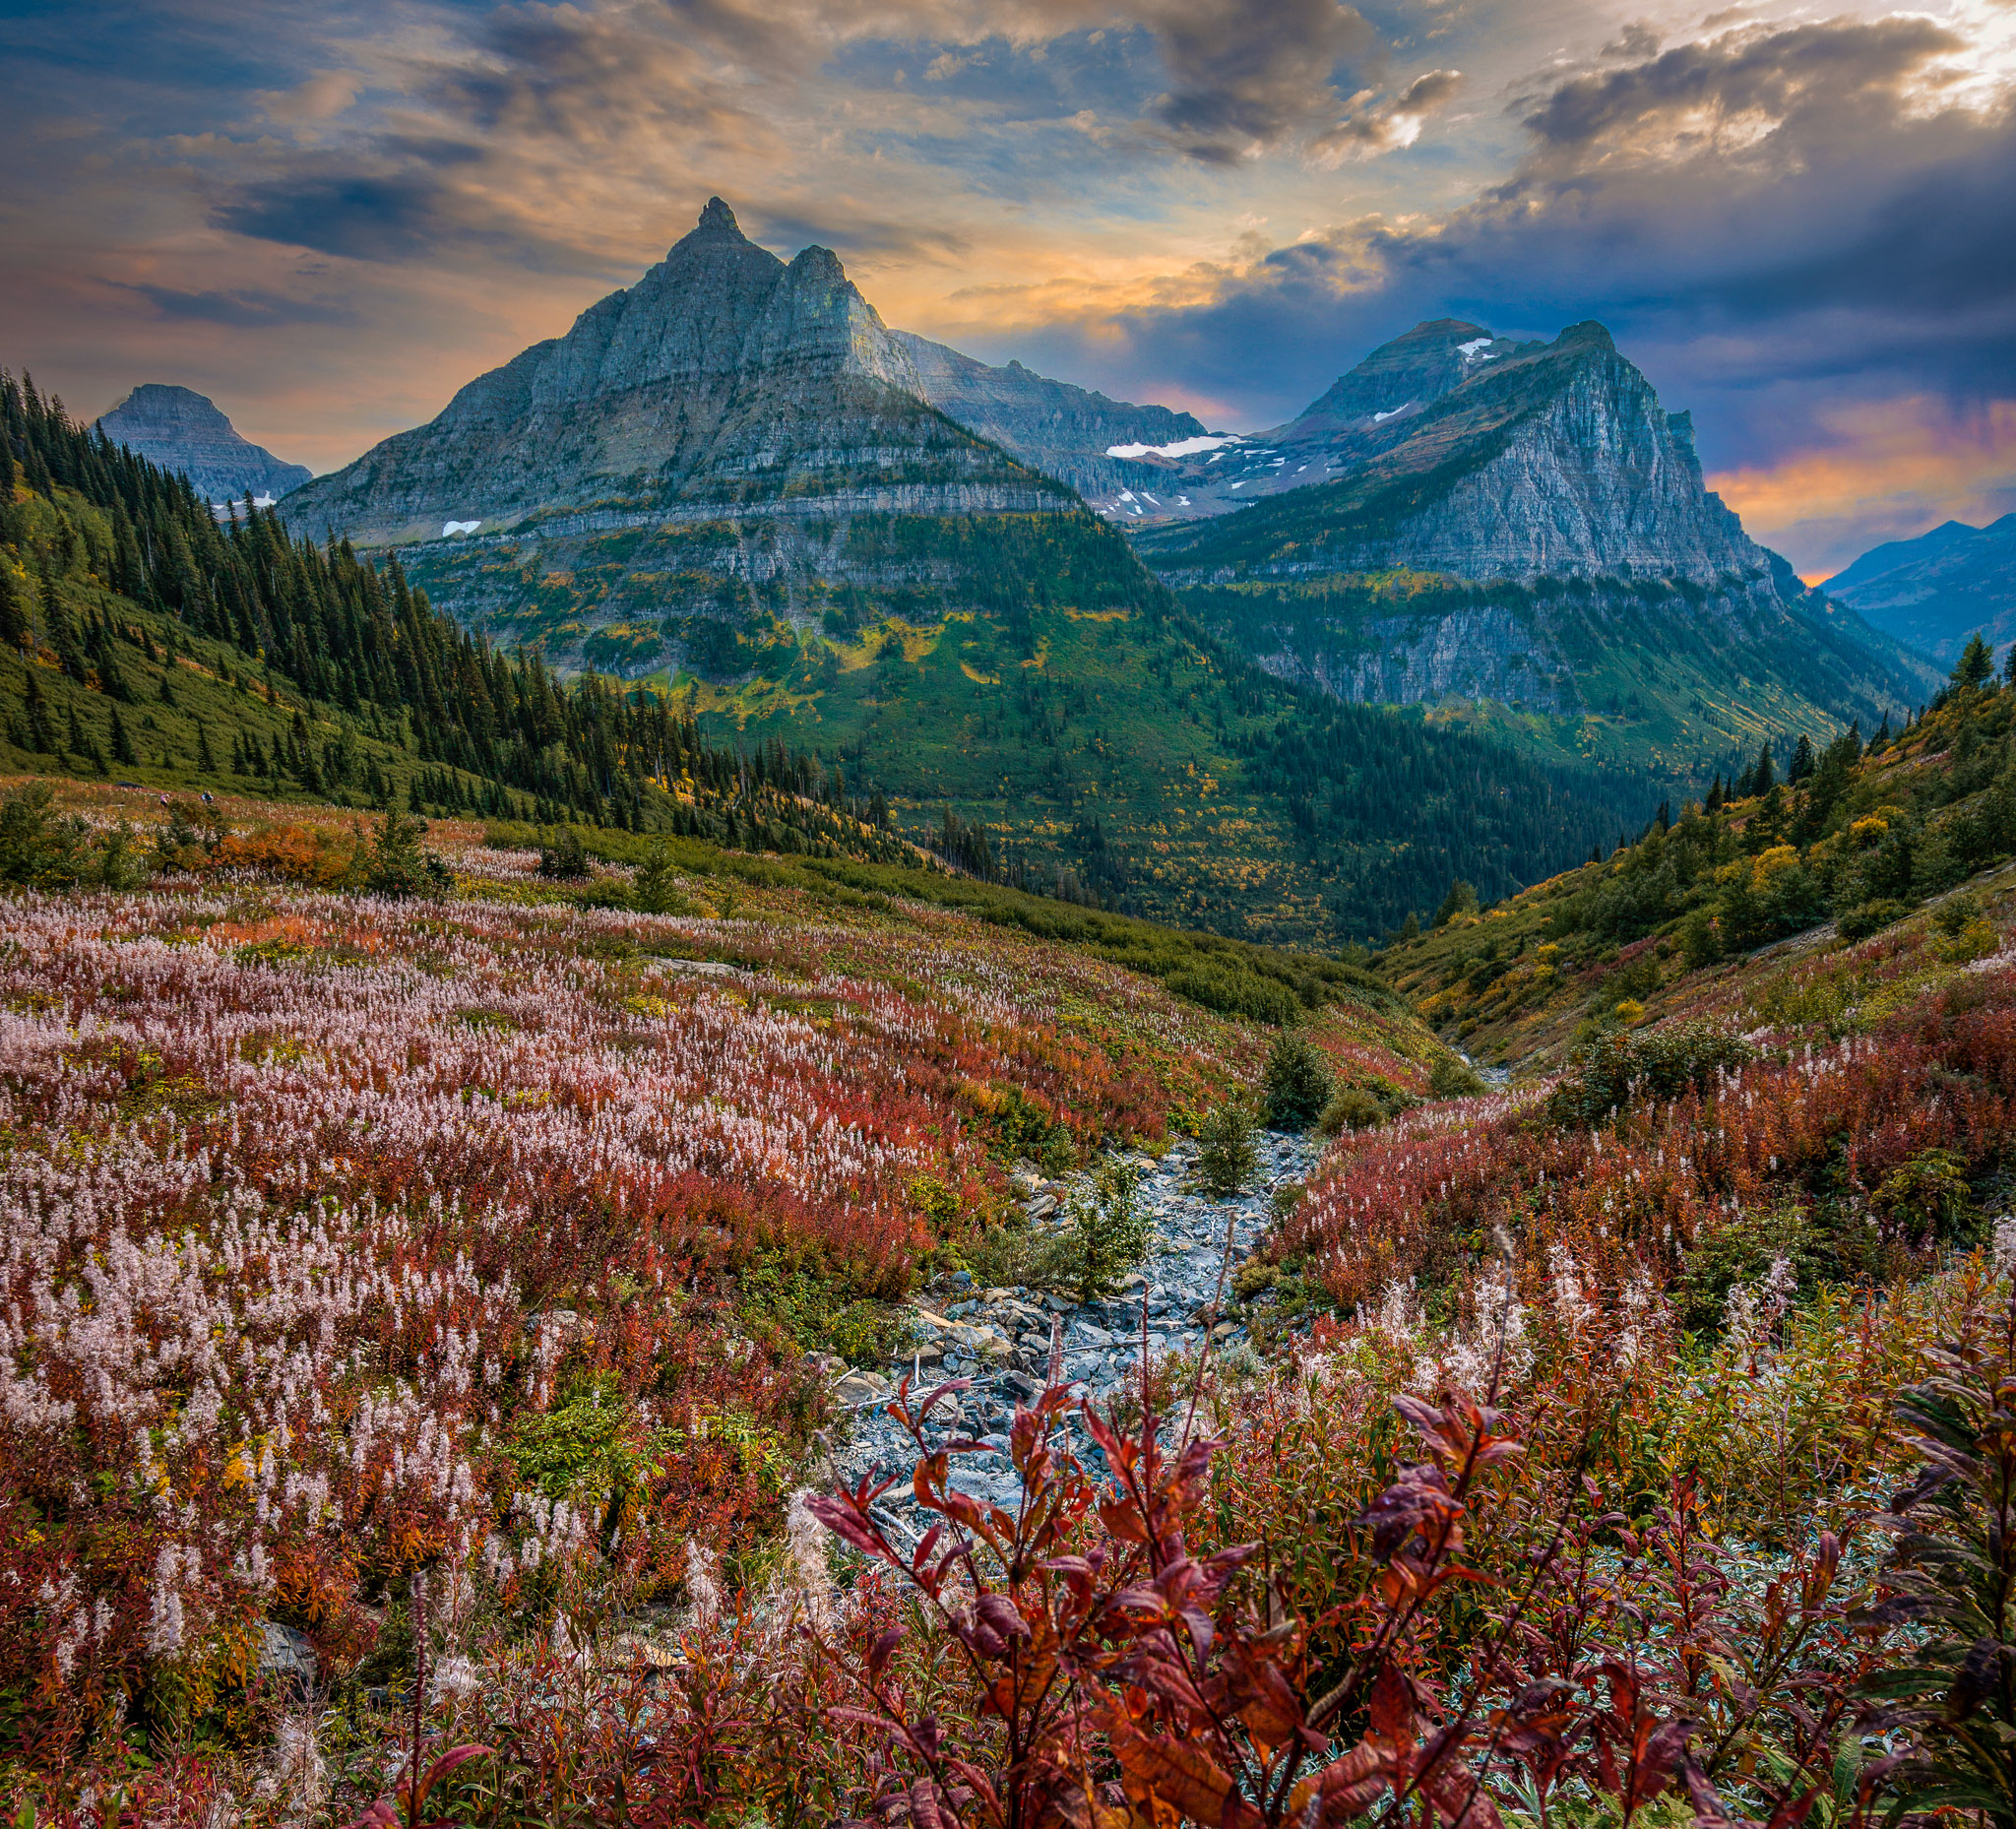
(142, 638)
(1843, 839)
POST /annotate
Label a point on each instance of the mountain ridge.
(1935, 591)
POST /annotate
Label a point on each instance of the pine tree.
(204, 758)
(1977, 664)
(14, 623)
(122, 742)
(42, 733)
(1801, 761)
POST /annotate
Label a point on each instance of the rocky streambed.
(999, 1339)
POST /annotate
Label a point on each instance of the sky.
(1800, 222)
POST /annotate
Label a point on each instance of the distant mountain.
(182, 430)
(1933, 591)
(1064, 431)
(1463, 518)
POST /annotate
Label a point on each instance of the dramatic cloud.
(1803, 227)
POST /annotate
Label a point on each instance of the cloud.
(1779, 224)
(246, 309)
(1883, 471)
(1244, 79)
(351, 214)
(1387, 126)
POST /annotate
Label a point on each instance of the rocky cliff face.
(725, 380)
(1062, 430)
(183, 430)
(1552, 460)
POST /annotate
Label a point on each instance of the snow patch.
(449, 529)
(1470, 348)
(1392, 412)
(1183, 447)
(1149, 499)
(1126, 495)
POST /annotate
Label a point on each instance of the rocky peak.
(1551, 460)
(1402, 377)
(718, 218)
(183, 430)
(722, 374)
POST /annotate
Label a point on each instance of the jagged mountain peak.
(718, 218)
(723, 375)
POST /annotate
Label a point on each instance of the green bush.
(1108, 1232)
(656, 890)
(1350, 1108)
(1620, 1066)
(1228, 1157)
(400, 866)
(564, 858)
(1872, 918)
(1452, 1077)
(1296, 1083)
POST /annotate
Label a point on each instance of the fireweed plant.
(483, 1240)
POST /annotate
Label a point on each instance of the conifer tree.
(1977, 664)
(42, 733)
(204, 758)
(122, 743)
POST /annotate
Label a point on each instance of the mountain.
(1064, 431)
(1933, 591)
(182, 430)
(723, 382)
(729, 481)
(1364, 412)
(1522, 525)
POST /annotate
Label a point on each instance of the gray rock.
(287, 1657)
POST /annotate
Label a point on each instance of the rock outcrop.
(182, 430)
(1064, 431)
(1933, 591)
(725, 381)
(1464, 518)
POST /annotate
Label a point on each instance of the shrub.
(1950, 1578)
(656, 890)
(564, 858)
(1618, 1067)
(1228, 1157)
(1108, 1232)
(1452, 1077)
(400, 866)
(1350, 1108)
(1872, 918)
(1296, 1084)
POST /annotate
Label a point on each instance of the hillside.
(141, 636)
(1935, 591)
(471, 1319)
(1841, 841)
